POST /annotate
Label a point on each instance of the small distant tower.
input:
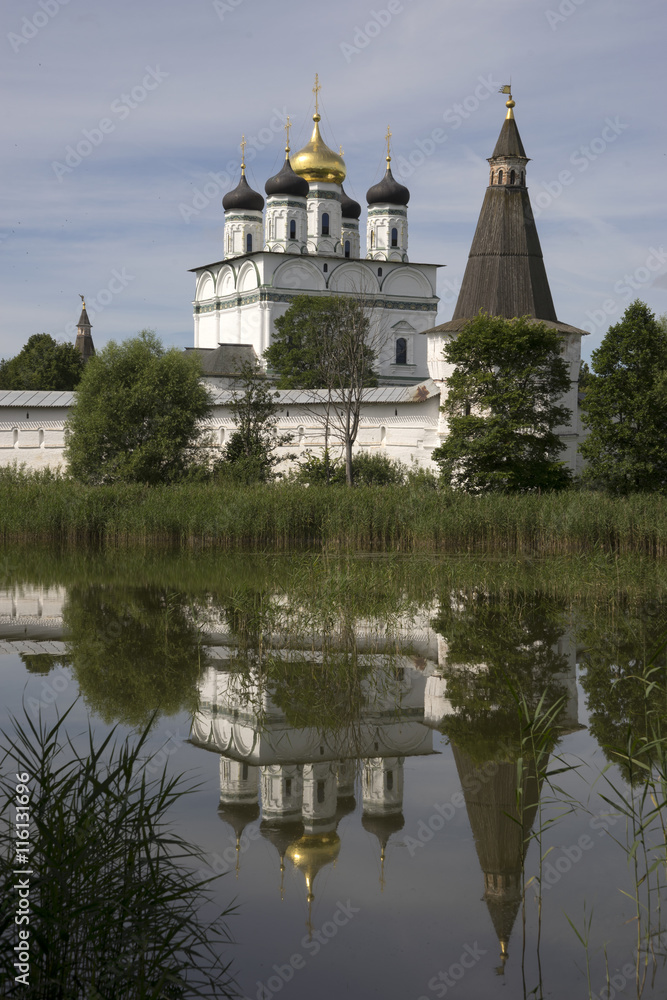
(244, 229)
(286, 212)
(84, 338)
(387, 228)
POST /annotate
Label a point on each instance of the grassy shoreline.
(291, 516)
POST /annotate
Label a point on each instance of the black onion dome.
(242, 197)
(388, 192)
(351, 208)
(287, 182)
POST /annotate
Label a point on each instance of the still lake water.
(353, 728)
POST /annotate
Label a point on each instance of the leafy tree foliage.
(503, 407)
(625, 405)
(625, 679)
(332, 345)
(133, 651)
(251, 451)
(311, 346)
(137, 414)
(498, 646)
(43, 364)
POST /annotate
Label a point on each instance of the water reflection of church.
(302, 781)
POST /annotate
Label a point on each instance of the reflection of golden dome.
(316, 162)
(312, 852)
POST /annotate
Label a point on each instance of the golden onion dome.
(316, 162)
(313, 851)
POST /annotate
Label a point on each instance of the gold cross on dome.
(288, 126)
(340, 150)
(388, 138)
(316, 91)
(243, 146)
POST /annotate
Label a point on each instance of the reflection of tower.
(282, 797)
(346, 779)
(239, 787)
(320, 843)
(501, 833)
(282, 791)
(382, 786)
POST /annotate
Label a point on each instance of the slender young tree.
(329, 348)
(504, 405)
(625, 405)
(251, 450)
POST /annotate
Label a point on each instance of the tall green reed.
(115, 907)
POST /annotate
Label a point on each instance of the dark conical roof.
(84, 338)
(83, 318)
(509, 141)
(505, 273)
(500, 834)
(287, 182)
(388, 191)
(351, 208)
(243, 197)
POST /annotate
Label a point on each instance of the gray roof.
(27, 397)
(456, 325)
(226, 359)
(382, 394)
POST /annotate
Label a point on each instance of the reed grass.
(113, 897)
(43, 506)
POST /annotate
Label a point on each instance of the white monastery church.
(305, 239)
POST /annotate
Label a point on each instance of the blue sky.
(155, 95)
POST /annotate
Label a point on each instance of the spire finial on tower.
(388, 138)
(243, 146)
(507, 89)
(83, 301)
(316, 91)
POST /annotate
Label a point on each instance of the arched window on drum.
(401, 351)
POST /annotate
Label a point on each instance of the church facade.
(305, 239)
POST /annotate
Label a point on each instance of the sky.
(122, 123)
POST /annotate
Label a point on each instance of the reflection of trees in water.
(499, 648)
(624, 676)
(133, 650)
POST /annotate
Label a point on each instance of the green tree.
(625, 405)
(503, 407)
(499, 646)
(43, 364)
(133, 651)
(310, 341)
(329, 347)
(251, 450)
(137, 414)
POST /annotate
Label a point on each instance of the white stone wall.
(34, 436)
(406, 432)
